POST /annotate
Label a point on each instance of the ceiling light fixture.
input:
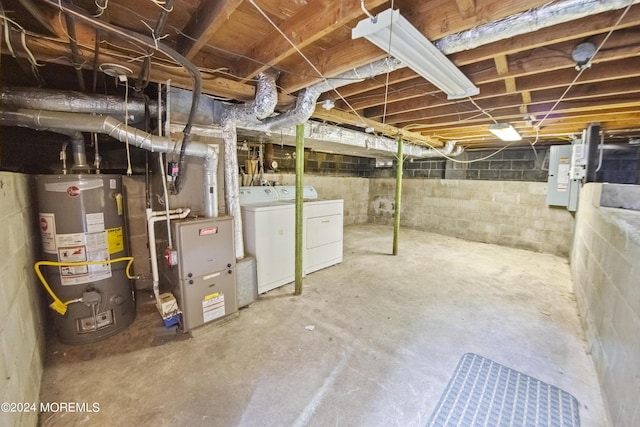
(328, 104)
(392, 33)
(505, 132)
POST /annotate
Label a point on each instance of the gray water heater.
(81, 219)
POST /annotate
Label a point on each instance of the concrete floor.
(389, 332)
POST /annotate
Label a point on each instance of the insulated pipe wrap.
(266, 96)
(59, 122)
(232, 188)
(526, 22)
(451, 149)
(74, 102)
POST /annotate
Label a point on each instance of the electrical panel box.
(578, 160)
(562, 187)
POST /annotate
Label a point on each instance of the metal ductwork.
(56, 120)
(79, 152)
(260, 108)
(306, 102)
(553, 13)
(75, 102)
(451, 149)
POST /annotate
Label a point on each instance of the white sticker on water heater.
(82, 247)
(95, 222)
(48, 232)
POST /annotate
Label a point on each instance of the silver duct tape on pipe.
(526, 22)
(232, 186)
(74, 102)
(56, 120)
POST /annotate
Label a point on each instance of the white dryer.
(323, 227)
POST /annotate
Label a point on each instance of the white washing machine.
(269, 235)
(268, 217)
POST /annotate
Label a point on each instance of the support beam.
(398, 204)
(302, 31)
(204, 23)
(467, 8)
(348, 118)
(299, 206)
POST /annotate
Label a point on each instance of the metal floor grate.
(485, 393)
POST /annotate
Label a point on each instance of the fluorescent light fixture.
(505, 132)
(394, 34)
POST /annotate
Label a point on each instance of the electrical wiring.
(483, 111)
(458, 160)
(58, 305)
(293, 45)
(161, 4)
(582, 69)
(100, 9)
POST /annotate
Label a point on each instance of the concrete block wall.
(317, 163)
(22, 312)
(620, 166)
(606, 276)
(354, 191)
(506, 213)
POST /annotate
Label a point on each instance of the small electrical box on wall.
(567, 168)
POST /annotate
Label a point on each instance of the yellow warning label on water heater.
(115, 239)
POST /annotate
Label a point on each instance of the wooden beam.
(467, 8)
(56, 51)
(203, 25)
(45, 18)
(397, 76)
(510, 84)
(401, 98)
(577, 30)
(526, 100)
(391, 131)
(455, 113)
(311, 23)
(571, 31)
(350, 54)
(502, 64)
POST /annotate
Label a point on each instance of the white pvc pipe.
(152, 218)
(163, 177)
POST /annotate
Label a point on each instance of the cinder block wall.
(506, 213)
(21, 310)
(606, 276)
(354, 191)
